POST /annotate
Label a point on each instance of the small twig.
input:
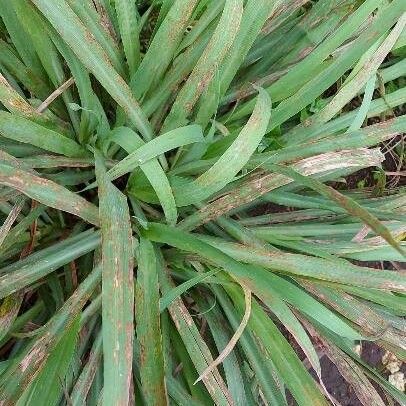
(396, 266)
(74, 274)
(395, 173)
(389, 148)
(177, 370)
(12, 216)
(362, 233)
(44, 105)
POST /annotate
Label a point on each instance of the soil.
(339, 388)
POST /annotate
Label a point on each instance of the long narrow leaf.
(148, 326)
(117, 290)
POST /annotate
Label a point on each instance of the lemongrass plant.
(141, 144)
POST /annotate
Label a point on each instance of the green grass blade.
(198, 351)
(131, 142)
(233, 160)
(159, 145)
(48, 387)
(207, 66)
(19, 37)
(20, 274)
(158, 58)
(350, 205)
(117, 290)
(23, 130)
(34, 23)
(292, 371)
(303, 302)
(85, 46)
(28, 365)
(48, 193)
(259, 361)
(148, 326)
(127, 19)
(292, 324)
(231, 365)
(174, 293)
(366, 102)
(85, 379)
(23, 74)
(92, 113)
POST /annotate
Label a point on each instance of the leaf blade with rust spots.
(30, 362)
(351, 372)
(127, 18)
(49, 385)
(294, 374)
(95, 24)
(8, 312)
(233, 160)
(372, 324)
(198, 350)
(93, 57)
(86, 377)
(12, 216)
(117, 289)
(17, 105)
(23, 273)
(170, 33)
(253, 18)
(256, 186)
(293, 87)
(355, 83)
(47, 192)
(233, 257)
(148, 326)
(206, 67)
(268, 286)
(312, 267)
(348, 204)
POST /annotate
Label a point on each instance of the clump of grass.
(140, 143)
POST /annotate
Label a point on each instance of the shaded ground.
(338, 387)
